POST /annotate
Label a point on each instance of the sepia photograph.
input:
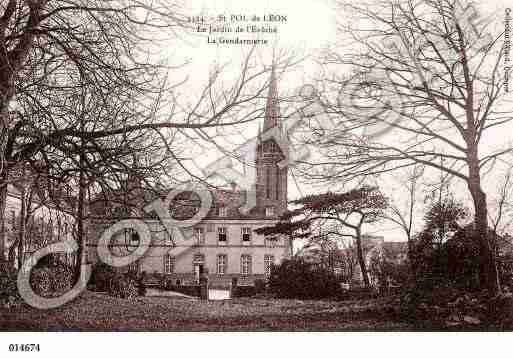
(198, 167)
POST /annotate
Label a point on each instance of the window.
(198, 265)
(268, 263)
(169, 264)
(223, 211)
(133, 267)
(135, 239)
(269, 211)
(222, 262)
(273, 147)
(221, 234)
(132, 239)
(210, 228)
(200, 235)
(246, 234)
(245, 264)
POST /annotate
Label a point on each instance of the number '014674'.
(24, 348)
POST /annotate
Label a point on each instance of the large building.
(224, 244)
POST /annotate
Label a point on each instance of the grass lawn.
(99, 312)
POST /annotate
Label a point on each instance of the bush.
(40, 282)
(501, 312)
(295, 278)
(260, 286)
(101, 276)
(51, 278)
(359, 293)
(448, 307)
(244, 291)
(140, 280)
(9, 295)
(123, 286)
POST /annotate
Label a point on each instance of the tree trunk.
(487, 270)
(80, 260)
(411, 259)
(80, 228)
(21, 239)
(3, 202)
(361, 260)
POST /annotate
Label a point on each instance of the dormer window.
(269, 211)
(223, 212)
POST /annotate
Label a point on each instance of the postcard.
(175, 168)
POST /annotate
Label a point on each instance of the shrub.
(51, 278)
(244, 291)
(260, 286)
(101, 277)
(359, 293)
(9, 295)
(501, 312)
(123, 286)
(141, 284)
(295, 278)
(40, 281)
(62, 278)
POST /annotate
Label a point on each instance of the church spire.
(272, 112)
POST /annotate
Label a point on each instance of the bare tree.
(417, 68)
(351, 210)
(403, 213)
(502, 206)
(85, 77)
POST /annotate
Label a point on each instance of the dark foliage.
(244, 291)
(505, 263)
(445, 306)
(359, 293)
(260, 286)
(455, 262)
(445, 253)
(141, 284)
(8, 290)
(295, 278)
(101, 277)
(365, 200)
(51, 277)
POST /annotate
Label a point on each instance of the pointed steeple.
(272, 111)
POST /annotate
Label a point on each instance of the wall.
(184, 251)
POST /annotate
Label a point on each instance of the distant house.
(344, 262)
(375, 248)
(46, 222)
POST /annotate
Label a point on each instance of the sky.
(310, 26)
